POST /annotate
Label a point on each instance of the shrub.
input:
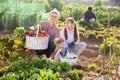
(107, 45)
(19, 33)
(93, 25)
(98, 3)
(115, 21)
(75, 74)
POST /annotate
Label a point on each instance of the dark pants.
(48, 51)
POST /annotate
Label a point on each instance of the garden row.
(21, 66)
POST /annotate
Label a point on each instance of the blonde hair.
(56, 12)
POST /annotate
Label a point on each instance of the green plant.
(75, 74)
(115, 21)
(108, 41)
(61, 66)
(117, 50)
(116, 53)
(58, 4)
(19, 33)
(3, 70)
(48, 75)
(94, 67)
(6, 45)
(98, 3)
(7, 42)
(93, 25)
(26, 69)
(91, 35)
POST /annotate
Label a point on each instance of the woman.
(71, 40)
(52, 30)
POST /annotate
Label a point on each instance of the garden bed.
(90, 56)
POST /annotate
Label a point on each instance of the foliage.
(91, 35)
(106, 44)
(7, 42)
(19, 33)
(93, 25)
(102, 15)
(10, 17)
(94, 67)
(75, 74)
(77, 12)
(6, 50)
(24, 68)
(115, 19)
(64, 66)
(1, 24)
(48, 75)
(98, 3)
(9, 20)
(56, 4)
(33, 6)
(47, 5)
(117, 50)
(60, 24)
(66, 12)
(3, 70)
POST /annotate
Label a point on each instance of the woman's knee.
(51, 47)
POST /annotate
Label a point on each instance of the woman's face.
(69, 24)
(53, 17)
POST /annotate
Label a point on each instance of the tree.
(58, 4)
(98, 3)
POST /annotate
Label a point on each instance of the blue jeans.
(48, 51)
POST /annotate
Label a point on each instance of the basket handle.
(38, 27)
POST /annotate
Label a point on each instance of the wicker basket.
(36, 43)
(70, 58)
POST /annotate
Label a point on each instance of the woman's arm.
(56, 33)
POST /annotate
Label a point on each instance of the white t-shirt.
(69, 40)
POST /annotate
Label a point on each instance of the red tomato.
(43, 34)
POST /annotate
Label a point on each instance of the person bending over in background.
(89, 15)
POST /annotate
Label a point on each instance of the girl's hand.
(67, 48)
(58, 41)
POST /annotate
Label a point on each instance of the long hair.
(76, 35)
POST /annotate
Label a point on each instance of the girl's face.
(53, 17)
(69, 24)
